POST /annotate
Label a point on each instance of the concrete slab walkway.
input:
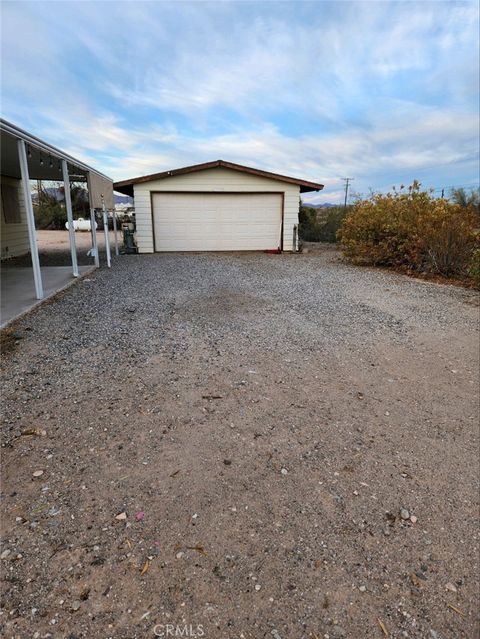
(18, 290)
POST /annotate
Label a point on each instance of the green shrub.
(412, 230)
(330, 221)
(49, 213)
(307, 224)
(320, 225)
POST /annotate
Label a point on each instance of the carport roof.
(126, 186)
(43, 157)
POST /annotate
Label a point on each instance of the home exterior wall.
(14, 237)
(218, 179)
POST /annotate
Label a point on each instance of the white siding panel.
(14, 237)
(213, 180)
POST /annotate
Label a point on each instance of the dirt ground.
(242, 446)
(54, 248)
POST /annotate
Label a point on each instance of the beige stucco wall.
(14, 237)
(217, 179)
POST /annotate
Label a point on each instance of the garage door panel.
(217, 222)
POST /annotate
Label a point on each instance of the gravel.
(150, 377)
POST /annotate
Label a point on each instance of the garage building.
(216, 206)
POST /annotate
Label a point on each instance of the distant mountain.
(123, 199)
(324, 205)
(58, 195)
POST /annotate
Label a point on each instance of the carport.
(25, 157)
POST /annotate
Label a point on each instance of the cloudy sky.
(384, 92)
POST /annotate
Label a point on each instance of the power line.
(457, 186)
(413, 170)
(347, 181)
(434, 190)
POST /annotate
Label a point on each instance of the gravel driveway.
(229, 443)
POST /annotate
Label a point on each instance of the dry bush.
(446, 239)
(411, 230)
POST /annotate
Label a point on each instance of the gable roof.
(126, 186)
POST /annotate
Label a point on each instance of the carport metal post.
(93, 228)
(105, 230)
(114, 214)
(32, 236)
(68, 206)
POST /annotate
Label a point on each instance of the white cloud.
(378, 91)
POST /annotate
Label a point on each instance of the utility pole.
(347, 181)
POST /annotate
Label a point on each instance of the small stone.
(121, 516)
(75, 606)
(413, 519)
(227, 462)
(284, 471)
(5, 554)
(179, 555)
(38, 473)
(258, 587)
(84, 594)
(433, 634)
(362, 588)
(450, 587)
(275, 634)
(404, 514)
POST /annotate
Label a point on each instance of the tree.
(49, 203)
(465, 199)
(49, 211)
(79, 198)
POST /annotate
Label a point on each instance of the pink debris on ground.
(139, 516)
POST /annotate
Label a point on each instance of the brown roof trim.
(126, 186)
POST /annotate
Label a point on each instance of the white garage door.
(217, 221)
